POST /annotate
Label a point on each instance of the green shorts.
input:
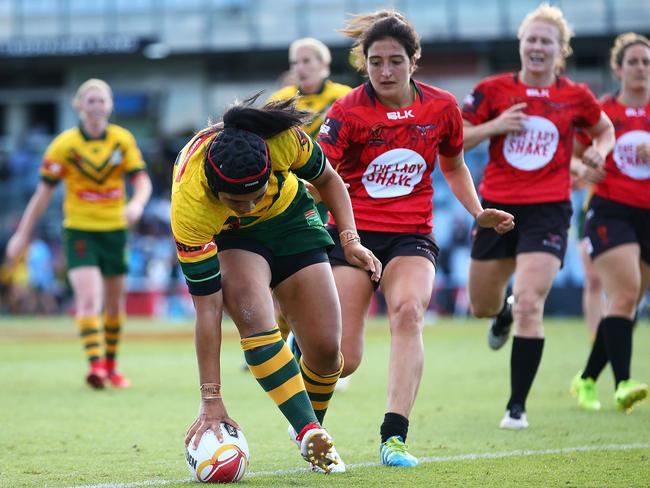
(296, 230)
(323, 212)
(104, 249)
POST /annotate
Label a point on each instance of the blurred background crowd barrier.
(175, 64)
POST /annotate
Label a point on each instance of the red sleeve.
(333, 135)
(582, 137)
(590, 109)
(476, 106)
(452, 144)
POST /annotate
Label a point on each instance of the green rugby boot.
(584, 390)
(628, 393)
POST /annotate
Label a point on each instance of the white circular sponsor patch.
(626, 157)
(394, 174)
(533, 147)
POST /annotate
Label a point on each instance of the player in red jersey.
(383, 138)
(618, 224)
(529, 118)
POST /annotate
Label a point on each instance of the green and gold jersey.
(93, 173)
(318, 103)
(197, 215)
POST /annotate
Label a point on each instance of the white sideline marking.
(423, 460)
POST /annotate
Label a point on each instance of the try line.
(423, 460)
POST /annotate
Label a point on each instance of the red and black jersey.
(627, 177)
(387, 155)
(532, 165)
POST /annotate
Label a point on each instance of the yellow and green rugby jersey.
(318, 103)
(197, 215)
(93, 173)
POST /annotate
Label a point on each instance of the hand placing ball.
(218, 462)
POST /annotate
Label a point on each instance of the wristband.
(348, 236)
(210, 391)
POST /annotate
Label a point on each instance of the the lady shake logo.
(394, 174)
(534, 146)
(627, 157)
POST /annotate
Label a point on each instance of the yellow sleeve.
(196, 254)
(310, 161)
(53, 167)
(132, 156)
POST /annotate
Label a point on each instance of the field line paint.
(423, 460)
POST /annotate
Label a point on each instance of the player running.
(383, 138)
(618, 225)
(92, 160)
(529, 117)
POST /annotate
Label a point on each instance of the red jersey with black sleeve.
(627, 176)
(387, 155)
(531, 165)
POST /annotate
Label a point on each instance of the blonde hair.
(319, 47)
(368, 28)
(88, 85)
(554, 16)
(621, 43)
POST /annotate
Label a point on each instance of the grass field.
(54, 431)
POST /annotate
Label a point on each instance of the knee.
(592, 283)
(528, 305)
(482, 305)
(326, 358)
(624, 301)
(87, 304)
(482, 310)
(114, 309)
(407, 318)
(351, 362)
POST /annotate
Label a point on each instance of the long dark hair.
(237, 160)
(266, 121)
(368, 28)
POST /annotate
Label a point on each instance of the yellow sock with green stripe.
(112, 332)
(319, 388)
(89, 332)
(274, 367)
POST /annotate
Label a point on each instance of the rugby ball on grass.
(218, 462)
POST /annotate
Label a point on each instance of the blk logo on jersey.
(394, 173)
(626, 155)
(537, 92)
(400, 115)
(635, 112)
(533, 147)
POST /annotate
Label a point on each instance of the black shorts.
(386, 246)
(281, 266)
(539, 227)
(610, 224)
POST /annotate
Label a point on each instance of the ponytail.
(265, 122)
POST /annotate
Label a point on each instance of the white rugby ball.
(218, 462)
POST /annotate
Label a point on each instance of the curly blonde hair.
(621, 43)
(554, 16)
(368, 28)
